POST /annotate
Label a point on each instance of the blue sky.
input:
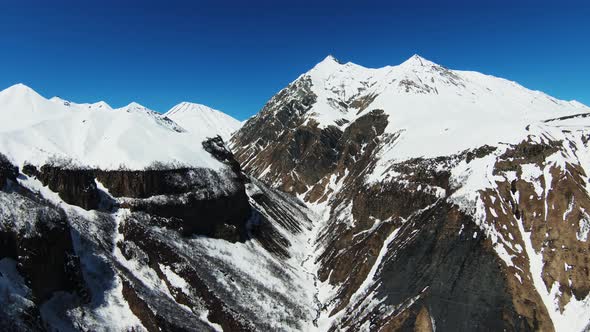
(234, 55)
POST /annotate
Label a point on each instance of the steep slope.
(450, 200)
(203, 120)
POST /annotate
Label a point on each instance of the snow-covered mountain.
(177, 239)
(36, 130)
(203, 120)
(448, 200)
(410, 197)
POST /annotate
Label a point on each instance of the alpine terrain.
(405, 198)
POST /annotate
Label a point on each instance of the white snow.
(531, 173)
(174, 279)
(203, 121)
(584, 228)
(38, 130)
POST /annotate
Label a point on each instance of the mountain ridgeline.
(405, 198)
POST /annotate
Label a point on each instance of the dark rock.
(207, 202)
(479, 152)
(148, 183)
(138, 230)
(216, 147)
(7, 171)
(222, 217)
(74, 186)
(31, 170)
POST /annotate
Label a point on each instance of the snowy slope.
(427, 102)
(203, 121)
(35, 129)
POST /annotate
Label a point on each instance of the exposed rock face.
(216, 147)
(200, 212)
(7, 171)
(304, 153)
(206, 202)
(75, 186)
(268, 139)
(429, 265)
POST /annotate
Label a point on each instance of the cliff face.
(205, 201)
(75, 187)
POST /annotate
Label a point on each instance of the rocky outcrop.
(277, 136)
(204, 202)
(305, 154)
(7, 171)
(74, 186)
(216, 147)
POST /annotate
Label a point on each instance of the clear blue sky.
(234, 55)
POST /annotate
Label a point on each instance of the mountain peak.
(99, 105)
(134, 105)
(203, 119)
(328, 64)
(330, 58)
(188, 107)
(192, 105)
(417, 61)
(19, 89)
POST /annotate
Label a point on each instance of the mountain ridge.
(208, 121)
(97, 135)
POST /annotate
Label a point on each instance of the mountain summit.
(204, 120)
(417, 61)
(424, 99)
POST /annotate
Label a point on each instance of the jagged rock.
(7, 171)
(216, 147)
(30, 170)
